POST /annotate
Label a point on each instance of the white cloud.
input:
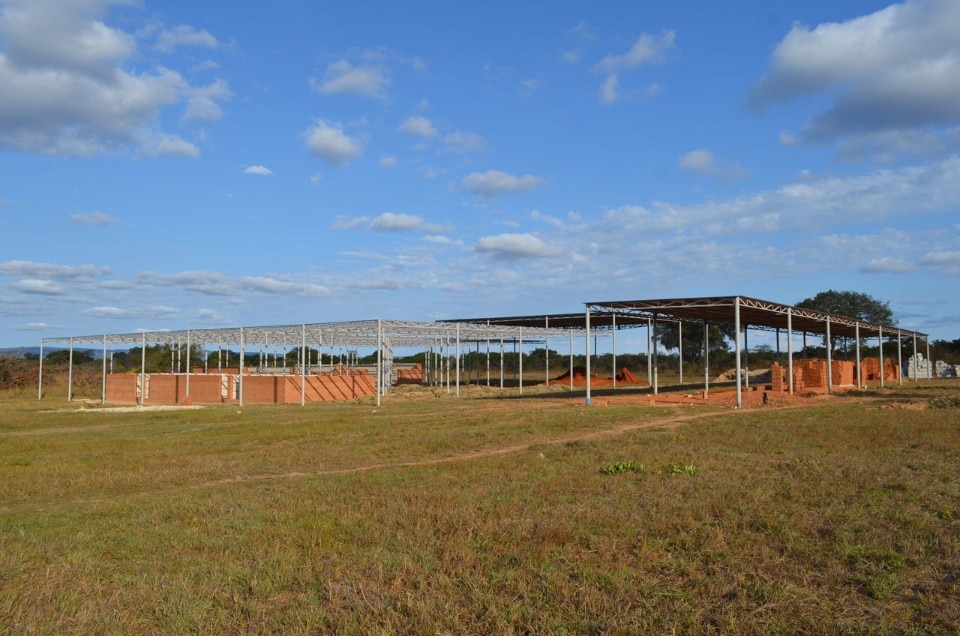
(271, 285)
(700, 161)
(67, 36)
(329, 142)
(648, 49)
(203, 105)
(344, 222)
(945, 262)
(583, 30)
(493, 183)
(388, 161)
(808, 204)
(653, 89)
(517, 246)
(390, 222)
(463, 143)
(185, 35)
(344, 77)
(38, 286)
(536, 215)
(259, 170)
(35, 326)
(610, 90)
(529, 86)
(893, 70)
(68, 88)
(887, 265)
(155, 311)
(93, 218)
(210, 316)
(30, 269)
(418, 126)
(203, 282)
(704, 163)
(211, 283)
(439, 239)
(164, 144)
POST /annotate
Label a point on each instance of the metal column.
(653, 337)
(40, 373)
(520, 359)
(379, 361)
(587, 324)
(706, 359)
(829, 359)
(70, 373)
(916, 370)
(857, 336)
(103, 387)
(790, 349)
(613, 338)
(303, 364)
(680, 347)
(900, 358)
(736, 345)
(240, 380)
(880, 343)
(143, 370)
(188, 363)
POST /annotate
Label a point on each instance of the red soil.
(580, 378)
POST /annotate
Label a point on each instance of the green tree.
(62, 356)
(948, 351)
(855, 305)
(668, 335)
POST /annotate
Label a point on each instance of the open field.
(484, 515)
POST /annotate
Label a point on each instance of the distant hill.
(20, 352)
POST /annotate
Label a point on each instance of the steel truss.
(745, 312)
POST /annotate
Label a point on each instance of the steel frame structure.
(744, 312)
(383, 335)
(604, 317)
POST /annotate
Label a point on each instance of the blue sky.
(194, 164)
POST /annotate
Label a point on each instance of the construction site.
(443, 344)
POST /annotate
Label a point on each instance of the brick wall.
(843, 373)
(328, 388)
(776, 377)
(122, 388)
(412, 375)
(260, 389)
(204, 389)
(870, 368)
(257, 389)
(163, 389)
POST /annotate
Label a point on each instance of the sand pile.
(580, 378)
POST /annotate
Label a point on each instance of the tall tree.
(849, 304)
(855, 305)
(668, 335)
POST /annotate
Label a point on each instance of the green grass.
(434, 515)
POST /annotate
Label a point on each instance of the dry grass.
(483, 516)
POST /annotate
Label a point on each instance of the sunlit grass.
(430, 514)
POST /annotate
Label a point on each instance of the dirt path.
(660, 423)
(663, 423)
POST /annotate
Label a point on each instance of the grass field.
(483, 515)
